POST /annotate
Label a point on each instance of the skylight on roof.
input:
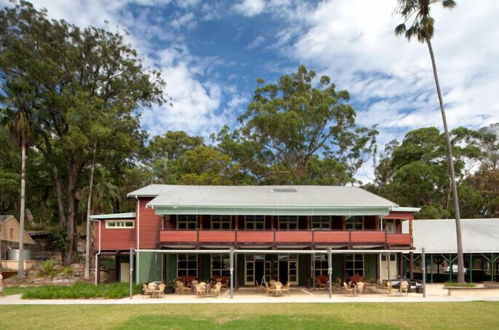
(284, 190)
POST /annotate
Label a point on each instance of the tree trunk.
(71, 225)
(460, 259)
(89, 207)
(60, 198)
(20, 269)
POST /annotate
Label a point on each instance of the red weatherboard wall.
(114, 239)
(125, 239)
(150, 225)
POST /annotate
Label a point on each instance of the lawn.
(479, 315)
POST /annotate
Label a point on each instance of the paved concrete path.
(246, 299)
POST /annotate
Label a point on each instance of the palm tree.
(416, 14)
(17, 116)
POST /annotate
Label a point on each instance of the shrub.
(81, 290)
(67, 272)
(47, 268)
(460, 285)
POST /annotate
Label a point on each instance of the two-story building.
(281, 224)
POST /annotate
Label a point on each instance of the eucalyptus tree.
(419, 24)
(294, 124)
(91, 85)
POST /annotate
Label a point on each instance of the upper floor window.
(221, 222)
(11, 234)
(389, 226)
(288, 222)
(321, 222)
(120, 224)
(354, 223)
(187, 222)
(254, 222)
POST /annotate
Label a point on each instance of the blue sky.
(211, 53)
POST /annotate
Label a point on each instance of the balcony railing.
(349, 237)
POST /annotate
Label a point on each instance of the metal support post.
(130, 279)
(330, 271)
(423, 266)
(388, 265)
(470, 267)
(231, 260)
(431, 267)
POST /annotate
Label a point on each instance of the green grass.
(456, 315)
(74, 291)
(460, 285)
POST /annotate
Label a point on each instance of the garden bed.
(78, 290)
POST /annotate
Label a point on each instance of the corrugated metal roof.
(439, 236)
(176, 195)
(262, 199)
(130, 215)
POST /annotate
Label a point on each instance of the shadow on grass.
(245, 322)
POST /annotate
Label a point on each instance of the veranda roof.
(439, 236)
(263, 200)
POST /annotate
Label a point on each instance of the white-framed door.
(388, 266)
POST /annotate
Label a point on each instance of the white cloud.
(353, 41)
(257, 42)
(195, 102)
(186, 20)
(249, 8)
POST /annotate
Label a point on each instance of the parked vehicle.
(454, 269)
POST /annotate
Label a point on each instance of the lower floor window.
(220, 264)
(187, 265)
(320, 265)
(354, 265)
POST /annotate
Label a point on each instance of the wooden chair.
(404, 287)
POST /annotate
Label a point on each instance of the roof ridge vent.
(284, 190)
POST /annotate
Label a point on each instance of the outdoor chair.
(180, 287)
(360, 286)
(348, 288)
(200, 289)
(215, 290)
(388, 287)
(285, 288)
(277, 289)
(404, 287)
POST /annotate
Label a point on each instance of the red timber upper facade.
(308, 217)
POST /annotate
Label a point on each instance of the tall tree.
(17, 114)
(290, 123)
(79, 74)
(418, 23)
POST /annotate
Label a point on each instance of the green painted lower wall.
(239, 270)
(337, 266)
(370, 267)
(171, 267)
(153, 267)
(204, 267)
(304, 276)
(150, 267)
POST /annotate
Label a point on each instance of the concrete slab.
(435, 293)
